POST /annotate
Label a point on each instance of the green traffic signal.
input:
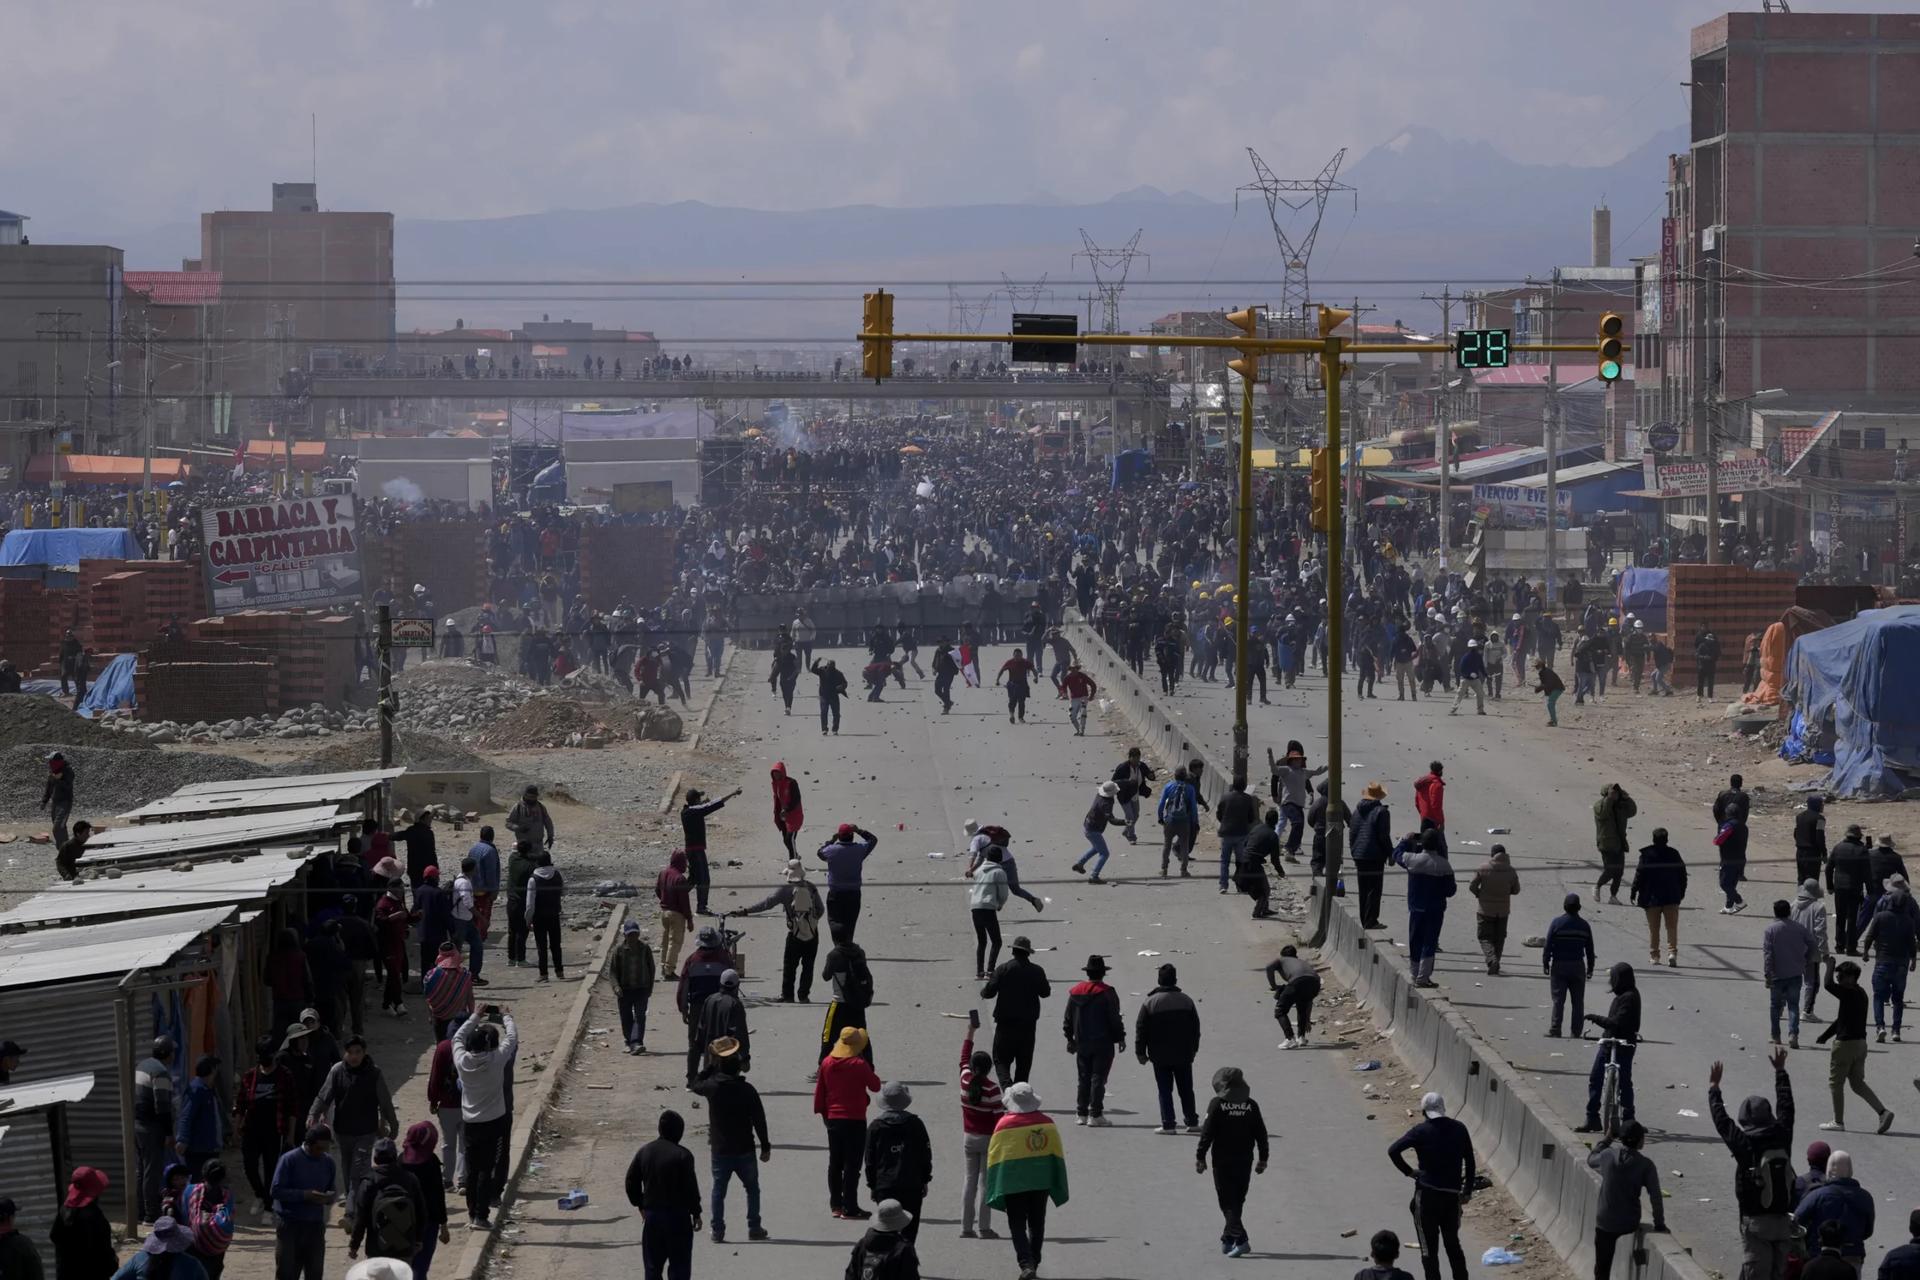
(1609, 370)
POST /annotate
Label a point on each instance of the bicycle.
(1610, 1086)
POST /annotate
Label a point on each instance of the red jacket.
(840, 1091)
(391, 920)
(787, 813)
(1430, 799)
(1078, 684)
(672, 889)
(443, 1081)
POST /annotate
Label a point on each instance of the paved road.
(1509, 770)
(1137, 1208)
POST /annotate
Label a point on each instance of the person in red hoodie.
(675, 894)
(840, 1098)
(787, 814)
(1430, 796)
(391, 921)
(1077, 687)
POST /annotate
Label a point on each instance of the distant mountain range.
(1431, 210)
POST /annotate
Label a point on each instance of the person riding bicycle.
(1620, 1024)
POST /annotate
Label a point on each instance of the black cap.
(12, 1049)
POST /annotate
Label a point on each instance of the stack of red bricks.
(118, 613)
(1732, 601)
(28, 636)
(189, 680)
(312, 650)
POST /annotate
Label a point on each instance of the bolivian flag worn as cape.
(1025, 1155)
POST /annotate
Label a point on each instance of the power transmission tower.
(965, 315)
(58, 326)
(1025, 297)
(1297, 249)
(1110, 268)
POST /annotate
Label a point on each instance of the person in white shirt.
(979, 840)
(465, 929)
(483, 1053)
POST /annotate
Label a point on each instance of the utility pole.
(1550, 436)
(1443, 434)
(384, 644)
(56, 325)
(1352, 475)
(146, 417)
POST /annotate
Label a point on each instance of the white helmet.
(1516, 617)
(1639, 625)
(419, 588)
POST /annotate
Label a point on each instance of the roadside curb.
(1519, 1140)
(706, 713)
(473, 1258)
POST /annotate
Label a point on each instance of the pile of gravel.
(34, 717)
(110, 780)
(451, 694)
(314, 721)
(544, 722)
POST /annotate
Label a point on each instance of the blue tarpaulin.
(1643, 593)
(67, 546)
(112, 688)
(1856, 680)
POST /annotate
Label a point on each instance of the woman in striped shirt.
(980, 1109)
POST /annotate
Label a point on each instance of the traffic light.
(1332, 318)
(876, 321)
(1611, 345)
(1247, 363)
(1320, 487)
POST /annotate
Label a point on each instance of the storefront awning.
(102, 469)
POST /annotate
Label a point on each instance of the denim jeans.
(1166, 1078)
(1229, 845)
(1731, 873)
(633, 1015)
(726, 1168)
(468, 933)
(1889, 987)
(1096, 849)
(1785, 991)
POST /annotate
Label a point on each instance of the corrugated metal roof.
(208, 835)
(289, 793)
(111, 949)
(34, 1094)
(153, 890)
(362, 776)
(1574, 475)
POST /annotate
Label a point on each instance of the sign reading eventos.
(1689, 479)
(286, 554)
(1515, 506)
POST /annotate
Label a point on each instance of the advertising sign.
(642, 497)
(410, 633)
(289, 553)
(1516, 506)
(1689, 479)
(1669, 267)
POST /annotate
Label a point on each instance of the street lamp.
(1713, 461)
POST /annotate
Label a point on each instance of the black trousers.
(1437, 1215)
(666, 1245)
(1230, 1181)
(516, 930)
(846, 1144)
(797, 964)
(259, 1153)
(986, 930)
(1612, 869)
(486, 1140)
(1603, 1243)
(1846, 920)
(843, 909)
(546, 940)
(1027, 1223)
(1094, 1065)
(1371, 884)
(943, 690)
(1703, 679)
(1296, 998)
(1012, 1051)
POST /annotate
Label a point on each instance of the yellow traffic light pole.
(877, 338)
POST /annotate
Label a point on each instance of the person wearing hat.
(1370, 840)
(1095, 1030)
(1848, 867)
(1892, 941)
(58, 793)
(418, 1157)
(1471, 670)
(392, 921)
(845, 855)
(723, 1016)
(1567, 960)
(197, 1128)
(800, 902)
(81, 1235)
(1166, 1035)
(693, 828)
(1443, 1183)
(303, 1186)
(840, 1092)
(736, 1132)
(1017, 987)
(163, 1254)
(389, 1209)
(530, 822)
(899, 1155)
(1026, 1168)
(1883, 864)
(633, 978)
(699, 981)
(153, 1122)
(886, 1251)
(1236, 1135)
(11, 1051)
(1094, 825)
(449, 989)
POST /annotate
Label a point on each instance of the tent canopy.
(1858, 677)
(95, 468)
(67, 546)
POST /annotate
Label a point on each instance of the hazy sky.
(131, 112)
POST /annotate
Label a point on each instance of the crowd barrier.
(1517, 1138)
(844, 615)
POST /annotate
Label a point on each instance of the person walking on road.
(1624, 1174)
(1786, 951)
(1079, 688)
(1839, 1202)
(1016, 988)
(945, 668)
(840, 1100)
(832, 687)
(1552, 687)
(664, 1185)
(980, 1109)
(1471, 670)
(1166, 1035)
(1620, 1022)
(700, 979)
(886, 1251)
(693, 827)
(985, 896)
(1094, 826)
(1235, 1134)
(1611, 813)
(787, 813)
(845, 855)
(1133, 776)
(1370, 841)
(1294, 983)
(899, 1155)
(304, 1181)
(634, 974)
(1847, 1067)
(1095, 1030)
(674, 892)
(355, 1103)
(846, 971)
(1493, 888)
(1430, 882)
(736, 1133)
(1810, 839)
(1016, 671)
(1288, 785)
(1442, 1184)
(1762, 1146)
(1026, 1168)
(723, 1017)
(1179, 816)
(1848, 867)
(1810, 913)
(1659, 887)
(1236, 816)
(1567, 960)
(1891, 940)
(389, 1209)
(546, 890)
(805, 912)
(1257, 852)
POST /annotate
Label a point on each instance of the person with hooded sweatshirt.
(1847, 870)
(1430, 882)
(1370, 843)
(520, 869)
(886, 1251)
(1810, 839)
(1624, 1174)
(1620, 1022)
(418, 1158)
(1659, 887)
(699, 981)
(1810, 913)
(1840, 1200)
(1891, 940)
(1178, 812)
(846, 971)
(1443, 1183)
(1493, 887)
(634, 974)
(788, 815)
(664, 1185)
(985, 897)
(723, 1015)
(545, 892)
(804, 911)
(735, 1134)
(1762, 1146)
(1611, 813)
(1883, 864)
(1567, 960)
(1786, 951)
(1235, 1134)
(1260, 850)
(674, 892)
(483, 1053)
(1095, 1030)
(899, 1154)
(389, 1209)
(1166, 1034)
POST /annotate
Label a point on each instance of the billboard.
(1689, 479)
(1518, 506)
(291, 553)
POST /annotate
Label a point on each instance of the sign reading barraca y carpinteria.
(281, 553)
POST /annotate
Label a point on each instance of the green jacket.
(520, 869)
(633, 968)
(1611, 813)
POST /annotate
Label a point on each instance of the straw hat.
(852, 1041)
(1374, 791)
